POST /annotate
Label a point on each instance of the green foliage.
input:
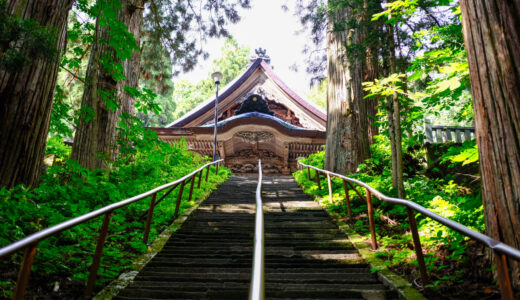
(318, 94)
(156, 76)
(438, 75)
(56, 145)
(68, 190)
(411, 118)
(23, 41)
(465, 154)
(61, 117)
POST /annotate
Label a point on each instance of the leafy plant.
(68, 190)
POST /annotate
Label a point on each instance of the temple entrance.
(249, 147)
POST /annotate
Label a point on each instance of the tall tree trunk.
(133, 19)
(132, 67)
(94, 141)
(492, 38)
(371, 37)
(27, 97)
(394, 121)
(342, 151)
(360, 104)
(371, 74)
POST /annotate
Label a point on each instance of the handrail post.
(330, 186)
(191, 187)
(308, 173)
(371, 220)
(207, 174)
(417, 246)
(25, 271)
(318, 179)
(216, 168)
(200, 178)
(149, 219)
(504, 281)
(347, 199)
(97, 255)
(179, 198)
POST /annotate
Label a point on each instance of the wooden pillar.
(285, 157)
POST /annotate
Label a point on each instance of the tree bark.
(133, 18)
(27, 97)
(394, 121)
(132, 67)
(360, 104)
(95, 139)
(492, 38)
(371, 69)
(342, 151)
(371, 74)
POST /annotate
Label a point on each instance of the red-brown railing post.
(216, 168)
(200, 178)
(179, 198)
(25, 271)
(97, 255)
(347, 199)
(191, 186)
(309, 173)
(149, 219)
(371, 220)
(417, 246)
(207, 174)
(330, 186)
(318, 180)
(504, 280)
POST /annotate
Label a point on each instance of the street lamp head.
(217, 76)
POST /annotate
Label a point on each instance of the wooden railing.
(29, 244)
(441, 134)
(500, 250)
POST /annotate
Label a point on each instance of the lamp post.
(217, 76)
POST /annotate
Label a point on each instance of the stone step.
(210, 257)
(352, 269)
(221, 294)
(291, 262)
(194, 286)
(235, 292)
(314, 277)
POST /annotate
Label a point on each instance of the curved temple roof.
(259, 63)
(252, 118)
(255, 114)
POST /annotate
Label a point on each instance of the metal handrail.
(30, 242)
(257, 289)
(500, 249)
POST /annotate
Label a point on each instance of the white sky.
(267, 26)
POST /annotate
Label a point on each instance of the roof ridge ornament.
(262, 54)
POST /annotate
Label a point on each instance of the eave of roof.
(232, 86)
(208, 104)
(253, 118)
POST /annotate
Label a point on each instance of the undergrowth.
(67, 190)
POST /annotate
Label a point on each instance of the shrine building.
(259, 117)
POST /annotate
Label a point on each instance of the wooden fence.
(441, 134)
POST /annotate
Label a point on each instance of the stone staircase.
(210, 257)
